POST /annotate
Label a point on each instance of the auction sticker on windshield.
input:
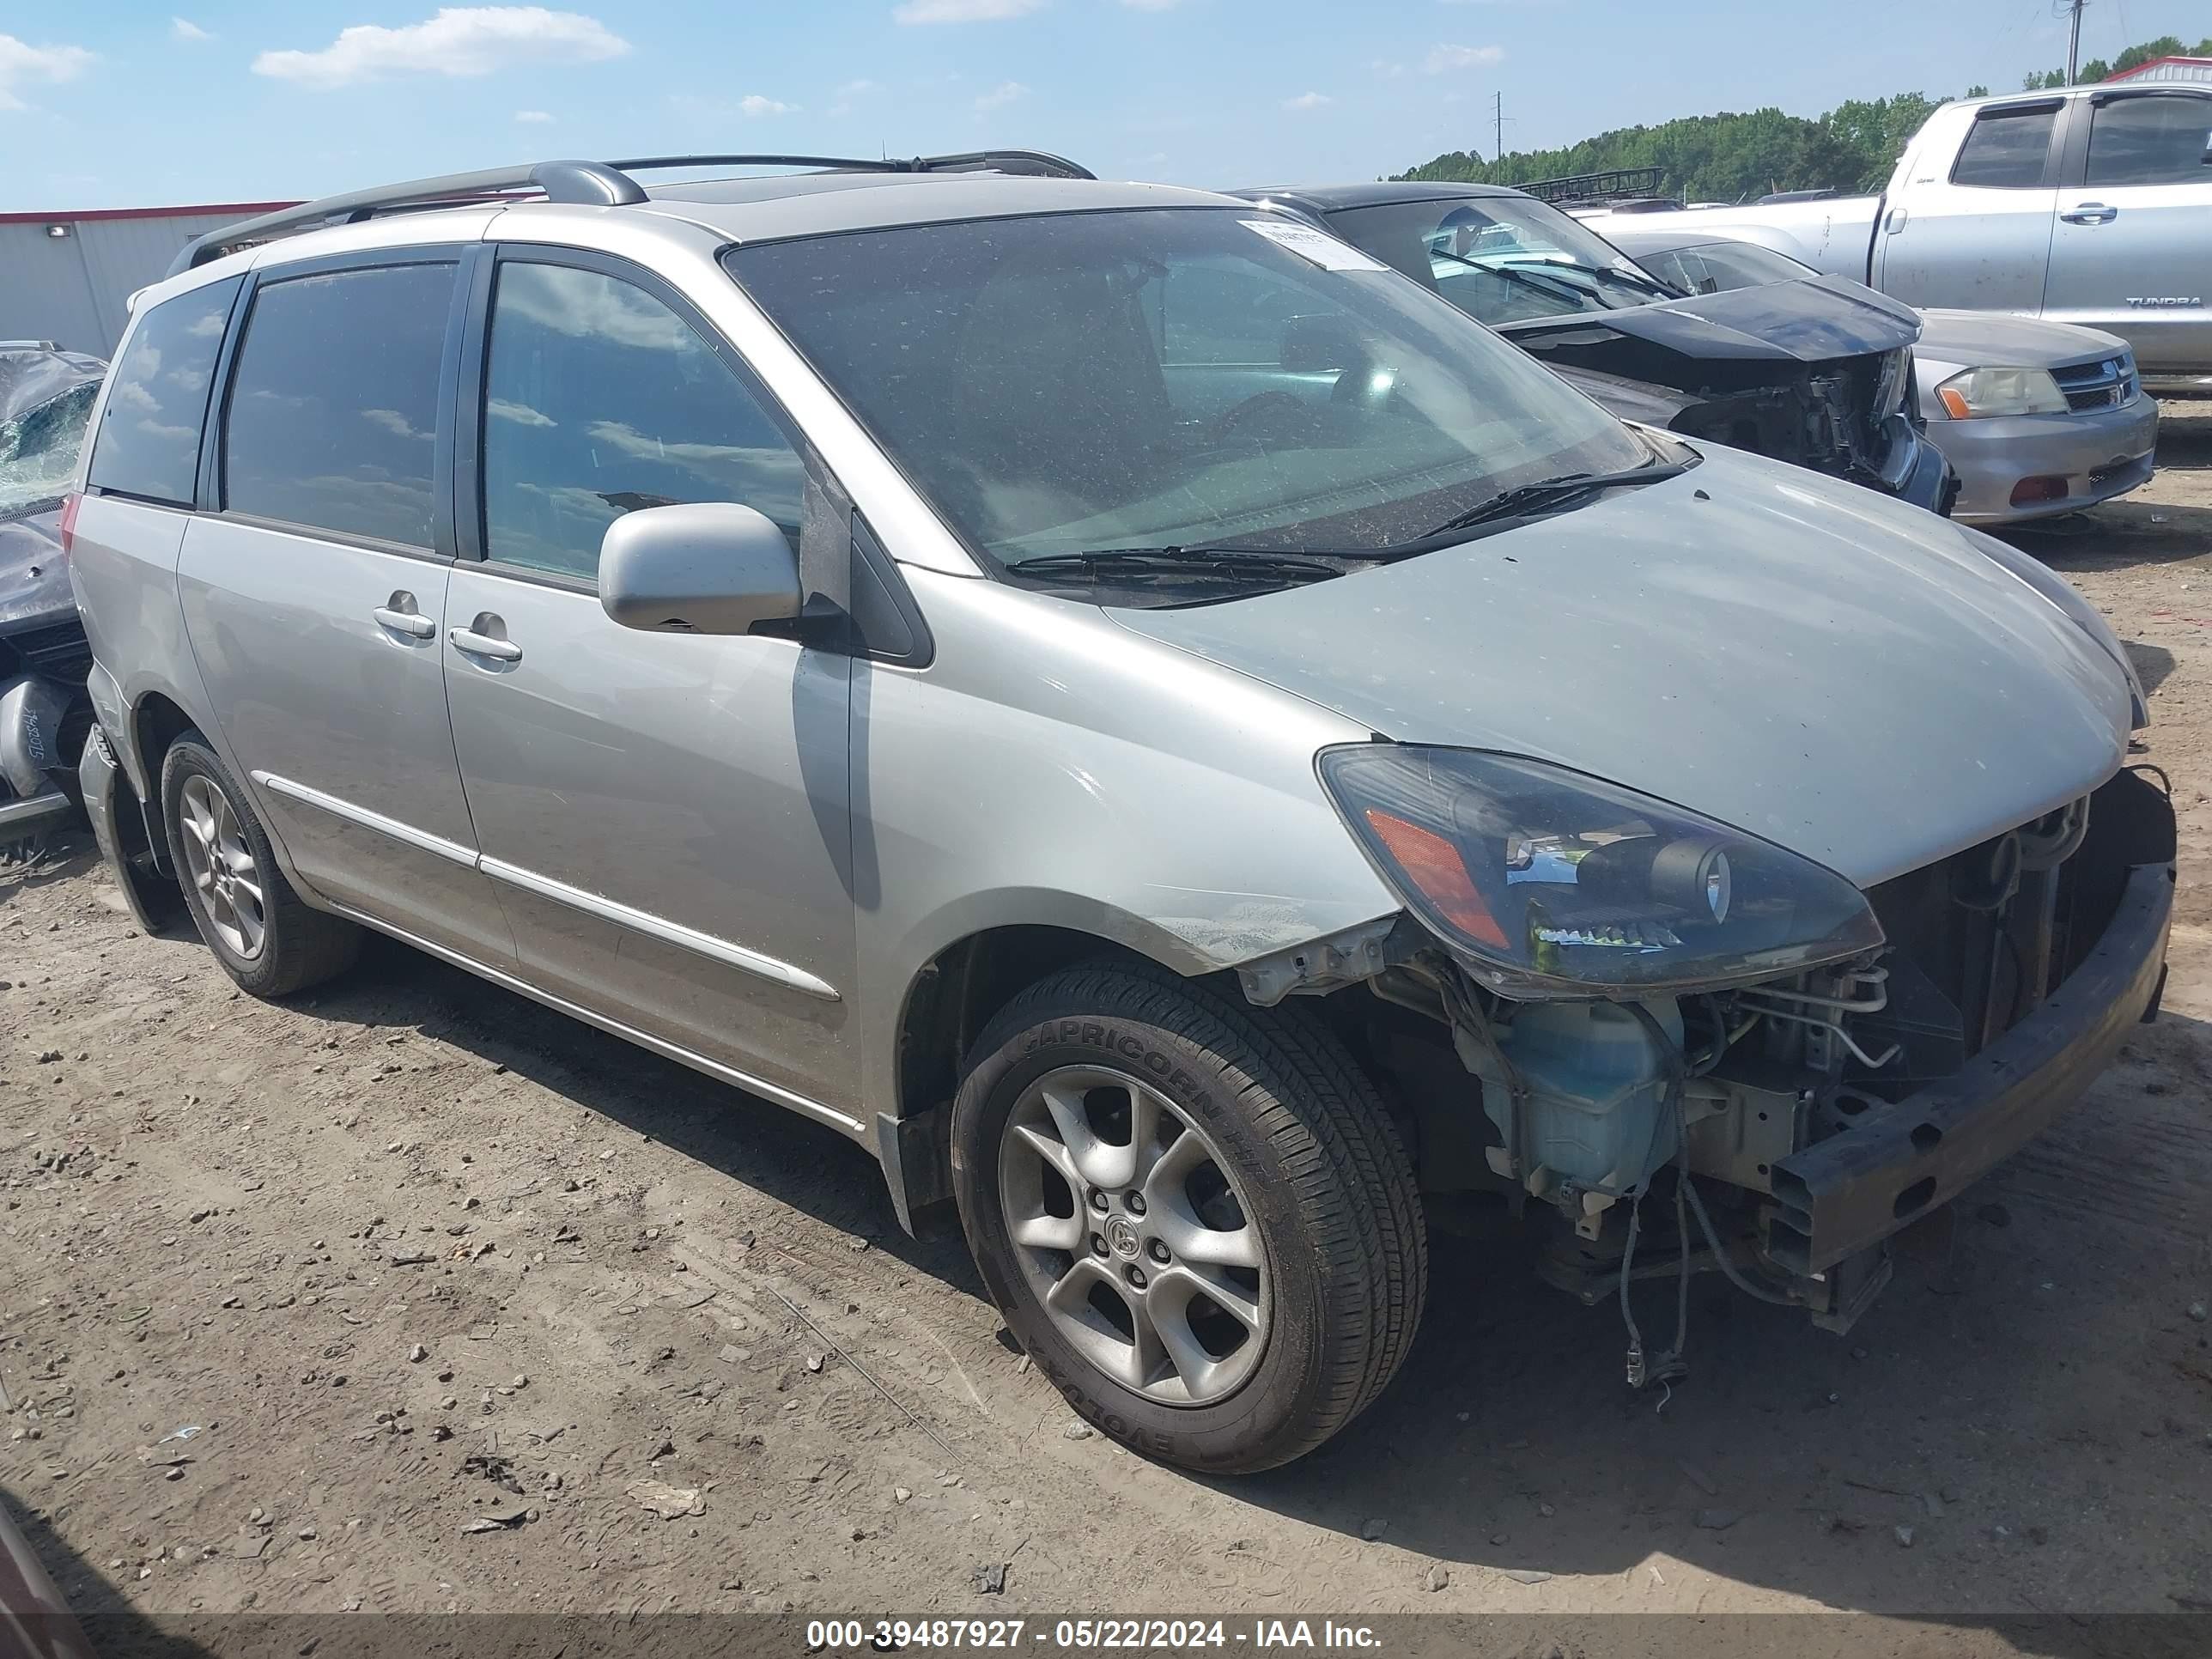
(1318, 246)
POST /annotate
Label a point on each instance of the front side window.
(2006, 149)
(600, 400)
(149, 443)
(333, 413)
(1080, 382)
(2151, 140)
(1500, 258)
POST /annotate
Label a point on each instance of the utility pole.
(2074, 41)
(1498, 104)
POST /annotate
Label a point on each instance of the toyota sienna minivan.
(1190, 749)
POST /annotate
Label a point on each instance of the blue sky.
(119, 103)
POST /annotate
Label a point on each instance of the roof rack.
(1617, 184)
(594, 184)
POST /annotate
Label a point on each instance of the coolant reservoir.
(1593, 1114)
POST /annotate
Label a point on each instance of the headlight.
(1889, 389)
(1982, 392)
(1551, 884)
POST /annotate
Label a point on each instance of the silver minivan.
(1163, 729)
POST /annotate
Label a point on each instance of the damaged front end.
(1834, 398)
(1778, 1073)
(46, 401)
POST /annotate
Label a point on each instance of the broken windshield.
(45, 400)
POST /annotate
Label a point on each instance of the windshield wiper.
(1198, 559)
(1531, 498)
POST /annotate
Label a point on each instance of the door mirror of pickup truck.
(699, 568)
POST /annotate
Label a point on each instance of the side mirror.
(702, 567)
(1314, 345)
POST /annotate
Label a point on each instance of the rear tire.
(266, 938)
(1195, 1216)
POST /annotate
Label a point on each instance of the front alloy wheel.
(1133, 1235)
(1195, 1215)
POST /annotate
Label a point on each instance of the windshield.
(1164, 378)
(1717, 267)
(39, 444)
(1501, 258)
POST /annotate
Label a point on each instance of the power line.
(2073, 10)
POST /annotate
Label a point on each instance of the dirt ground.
(451, 1287)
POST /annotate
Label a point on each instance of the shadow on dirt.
(799, 1162)
(112, 1627)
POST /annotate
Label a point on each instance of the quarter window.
(600, 400)
(333, 414)
(149, 432)
(2006, 149)
(2151, 140)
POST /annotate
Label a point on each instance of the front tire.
(266, 938)
(1195, 1215)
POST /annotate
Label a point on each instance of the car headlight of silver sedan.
(1979, 392)
(1548, 883)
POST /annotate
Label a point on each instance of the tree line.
(1732, 157)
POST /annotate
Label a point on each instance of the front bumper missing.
(1848, 1193)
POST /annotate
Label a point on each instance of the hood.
(34, 583)
(1971, 339)
(1793, 656)
(1807, 321)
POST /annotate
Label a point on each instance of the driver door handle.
(412, 622)
(2090, 213)
(484, 645)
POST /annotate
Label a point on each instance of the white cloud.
(503, 409)
(1387, 69)
(183, 28)
(461, 40)
(1151, 5)
(1005, 93)
(851, 93)
(1443, 60)
(754, 105)
(963, 11)
(1308, 100)
(533, 117)
(21, 62)
(395, 423)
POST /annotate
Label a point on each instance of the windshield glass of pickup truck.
(1162, 379)
(1501, 258)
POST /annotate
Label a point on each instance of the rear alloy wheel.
(1195, 1215)
(265, 937)
(220, 866)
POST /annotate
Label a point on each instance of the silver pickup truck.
(2091, 205)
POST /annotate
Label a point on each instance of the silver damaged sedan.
(1195, 753)
(2036, 418)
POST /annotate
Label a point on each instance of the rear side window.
(600, 400)
(2006, 149)
(333, 414)
(149, 443)
(2152, 141)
